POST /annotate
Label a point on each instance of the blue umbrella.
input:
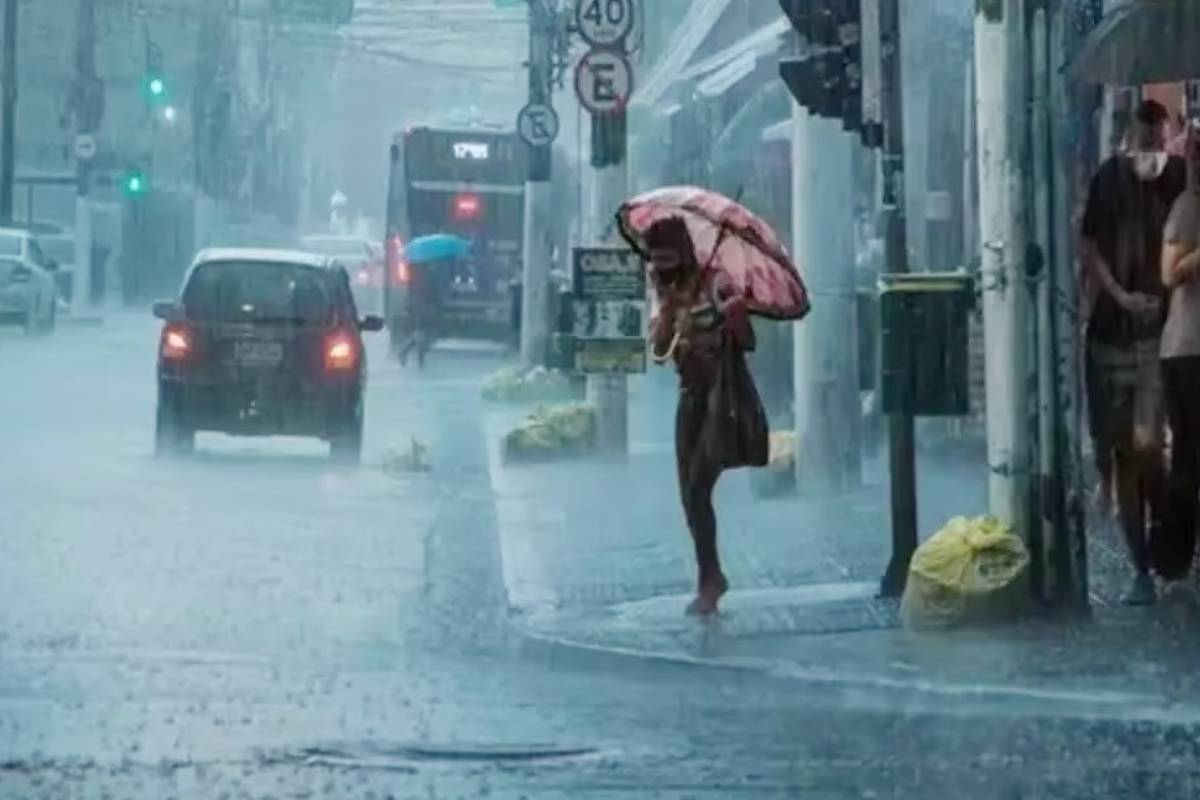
(438, 247)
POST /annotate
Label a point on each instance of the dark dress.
(698, 363)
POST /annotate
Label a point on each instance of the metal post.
(902, 435)
(535, 273)
(85, 66)
(8, 126)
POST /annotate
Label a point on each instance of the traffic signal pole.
(901, 429)
(8, 125)
(85, 66)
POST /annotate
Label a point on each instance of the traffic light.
(827, 75)
(134, 183)
(154, 83)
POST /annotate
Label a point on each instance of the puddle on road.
(404, 758)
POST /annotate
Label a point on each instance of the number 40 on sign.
(603, 23)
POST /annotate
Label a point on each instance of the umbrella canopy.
(728, 238)
(438, 247)
(1140, 42)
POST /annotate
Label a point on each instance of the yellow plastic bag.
(972, 570)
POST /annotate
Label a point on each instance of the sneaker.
(1141, 591)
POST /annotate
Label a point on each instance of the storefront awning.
(687, 41)
(722, 70)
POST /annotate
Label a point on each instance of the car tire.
(345, 446)
(31, 325)
(171, 437)
(51, 321)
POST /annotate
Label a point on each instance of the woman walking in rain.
(695, 321)
(712, 264)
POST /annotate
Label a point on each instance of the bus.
(467, 182)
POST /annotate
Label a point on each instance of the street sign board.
(599, 356)
(85, 147)
(603, 23)
(604, 81)
(608, 273)
(538, 124)
(609, 310)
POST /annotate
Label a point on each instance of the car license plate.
(258, 353)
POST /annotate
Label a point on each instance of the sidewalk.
(596, 559)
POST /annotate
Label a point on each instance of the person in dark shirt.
(1128, 204)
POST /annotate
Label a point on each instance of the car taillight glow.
(341, 353)
(175, 344)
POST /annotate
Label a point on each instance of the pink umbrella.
(730, 240)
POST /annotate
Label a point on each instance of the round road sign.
(603, 23)
(537, 124)
(604, 81)
(85, 147)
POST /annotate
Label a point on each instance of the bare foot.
(708, 596)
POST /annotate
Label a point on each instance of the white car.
(28, 296)
(362, 258)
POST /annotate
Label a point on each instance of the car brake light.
(341, 353)
(468, 207)
(175, 344)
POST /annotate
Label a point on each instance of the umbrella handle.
(670, 350)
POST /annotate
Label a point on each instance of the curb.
(829, 686)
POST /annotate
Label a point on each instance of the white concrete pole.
(609, 394)
(829, 458)
(535, 276)
(1000, 103)
(535, 271)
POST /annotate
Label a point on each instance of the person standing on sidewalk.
(1181, 371)
(703, 328)
(1128, 203)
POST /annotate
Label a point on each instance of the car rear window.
(249, 291)
(336, 248)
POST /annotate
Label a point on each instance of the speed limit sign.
(603, 23)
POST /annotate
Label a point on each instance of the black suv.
(260, 343)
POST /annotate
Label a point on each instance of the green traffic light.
(135, 184)
(156, 89)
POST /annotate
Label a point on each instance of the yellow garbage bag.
(972, 570)
(554, 431)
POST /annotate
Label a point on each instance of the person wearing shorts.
(1129, 200)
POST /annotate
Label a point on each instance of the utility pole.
(88, 110)
(827, 405)
(604, 85)
(902, 435)
(1001, 101)
(8, 126)
(608, 393)
(535, 274)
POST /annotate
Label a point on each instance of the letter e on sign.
(604, 81)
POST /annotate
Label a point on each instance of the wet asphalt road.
(256, 622)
